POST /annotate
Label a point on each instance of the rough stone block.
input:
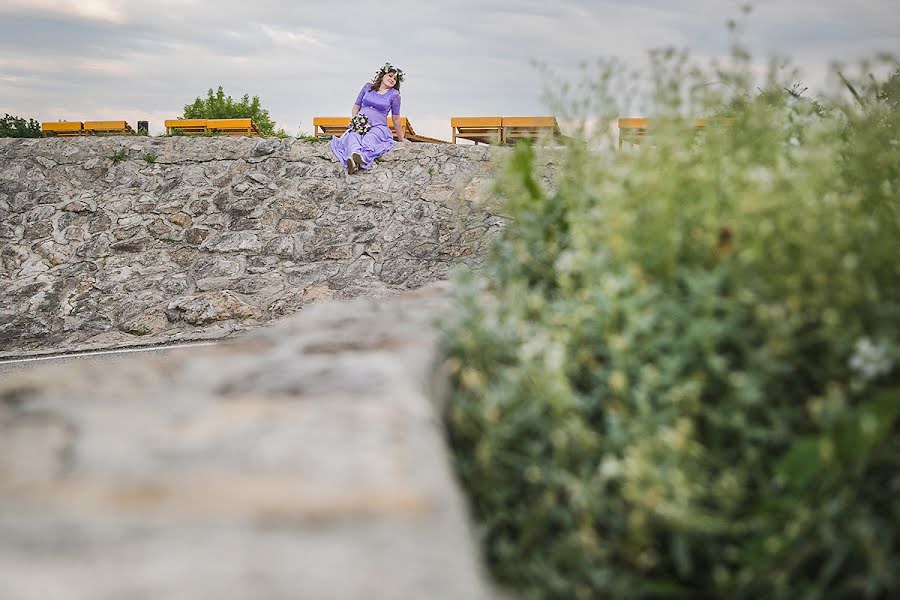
(209, 307)
(230, 241)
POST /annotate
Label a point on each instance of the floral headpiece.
(389, 68)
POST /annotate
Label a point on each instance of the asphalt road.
(9, 368)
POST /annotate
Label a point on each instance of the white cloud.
(302, 39)
(96, 10)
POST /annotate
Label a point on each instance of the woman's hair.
(387, 68)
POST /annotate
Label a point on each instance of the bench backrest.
(63, 128)
(477, 129)
(232, 126)
(108, 128)
(105, 125)
(186, 125)
(503, 129)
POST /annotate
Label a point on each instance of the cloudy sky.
(146, 59)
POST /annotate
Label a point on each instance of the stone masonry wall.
(108, 242)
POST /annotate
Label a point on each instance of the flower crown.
(389, 68)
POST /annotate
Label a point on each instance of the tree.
(217, 105)
(16, 127)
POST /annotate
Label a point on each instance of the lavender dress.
(377, 140)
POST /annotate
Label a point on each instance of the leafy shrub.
(17, 127)
(218, 106)
(118, 156)
(681, 377)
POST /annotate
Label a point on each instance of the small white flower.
(610, 467)
(870, 360)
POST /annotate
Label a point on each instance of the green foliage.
(118, 156)
(16, 127)
(303, 134)
(217, 105)
(680, 379)
(890, 90)
(150, 157)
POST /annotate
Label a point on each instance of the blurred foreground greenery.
(678, 376)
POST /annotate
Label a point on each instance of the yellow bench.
(503, 130)
(107, 128)
(330, 126)
(634, 131)
(336, 126)
(211, 126)
(186, 126)
(529, 128)
(62, 129)
(232, 126)
(477, 129)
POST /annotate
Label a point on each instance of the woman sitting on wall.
(368, 136)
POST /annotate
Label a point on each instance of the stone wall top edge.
(217, 148)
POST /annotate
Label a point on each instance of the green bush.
(678, 376)
(118, 156)
(16, 127)
(218, 106)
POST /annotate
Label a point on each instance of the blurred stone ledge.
(305, 460)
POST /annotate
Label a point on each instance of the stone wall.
(109, 242)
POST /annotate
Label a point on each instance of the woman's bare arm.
(398, 127)
(354, 111)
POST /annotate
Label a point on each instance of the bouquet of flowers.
(360, 124)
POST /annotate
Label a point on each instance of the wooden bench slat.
(186, 122)
(529, 122)
(476, 122)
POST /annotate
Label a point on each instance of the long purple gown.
(378, 139)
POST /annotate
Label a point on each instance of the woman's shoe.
(357, 159)
(351, 164)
